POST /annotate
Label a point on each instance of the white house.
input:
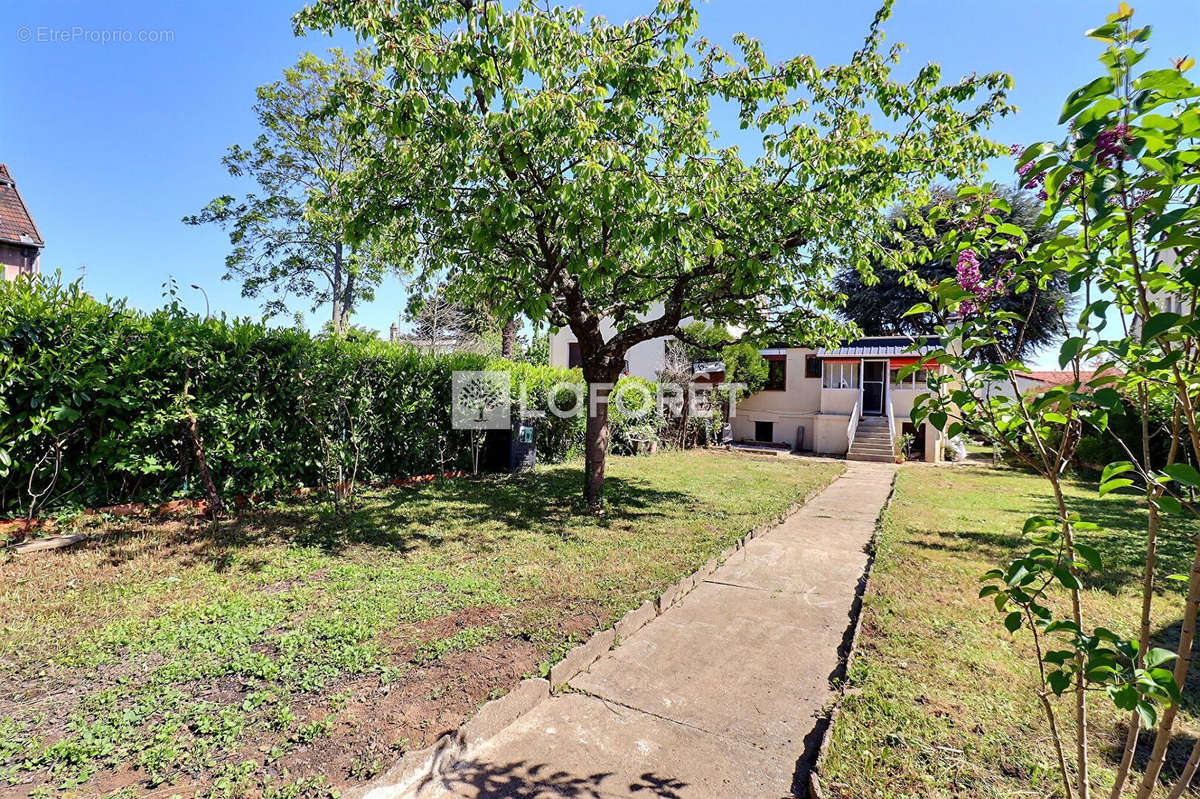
(848, 401)
(644, 359)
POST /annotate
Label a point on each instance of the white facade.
(828, 394)
(644, 359)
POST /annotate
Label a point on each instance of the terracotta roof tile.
(16, 224)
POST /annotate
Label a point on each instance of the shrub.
(94, 399)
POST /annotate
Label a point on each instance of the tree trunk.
(508, 339)
(595, 453)
(336, 318)
(601, 375)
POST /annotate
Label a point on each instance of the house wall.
(18, 259)
(646, 358)
(798, 404)
(824, 413)
(1001, 388)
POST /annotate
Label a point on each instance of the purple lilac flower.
(970, 277)
(1111, 145)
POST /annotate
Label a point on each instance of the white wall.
(646, 358)
(798, 404)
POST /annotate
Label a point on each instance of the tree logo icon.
(481, 400)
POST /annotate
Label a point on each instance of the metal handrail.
(852, 428)
(891, 426)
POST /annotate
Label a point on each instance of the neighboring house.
(20, 242)
(1167, 302)
(848, 401)
(1026, 382)
(1034, 382)
(644, 359)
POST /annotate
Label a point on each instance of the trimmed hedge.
(93, 409)
(95, 401)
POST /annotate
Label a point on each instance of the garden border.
(419, 767)
(173, 509)
(814, 781)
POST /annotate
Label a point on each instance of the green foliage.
(743, 362)
(92, 404)
(567, 168)
(280, 241)
(1122, 192)
(636, 420)
(877, 302)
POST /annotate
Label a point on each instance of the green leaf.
(1084, 96)
(1113, 485)
(1147, 713)
(1068, 580)
(1158, 656)
(1059, 681)
(1158, 324)
(1090, 555)
(1009, 229)
(1038, 522)
(1168, 504)
(1183, 473)
(1115, 468)
(1013, 621)
(919, 308)
(1069, 350)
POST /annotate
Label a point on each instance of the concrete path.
(722, 695)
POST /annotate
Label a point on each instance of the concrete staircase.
(872, 441)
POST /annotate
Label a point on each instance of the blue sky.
(112, 143)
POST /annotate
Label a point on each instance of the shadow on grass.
(1121, 541)
(1182, 742)
(433, 514)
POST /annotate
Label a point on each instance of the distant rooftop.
(16, 223)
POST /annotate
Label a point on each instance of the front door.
(874, 384)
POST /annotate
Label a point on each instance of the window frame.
(830, 368)
(917, 381)
(776, 375)
(810, 361)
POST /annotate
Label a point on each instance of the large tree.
(879, 300)
(281, 240)
(569, 167)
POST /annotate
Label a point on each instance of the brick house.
(20, 242)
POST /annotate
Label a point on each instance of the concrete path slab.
(720, 696)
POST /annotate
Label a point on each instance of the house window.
(776, 372)
(574, 356)
(764, 431)
(842, 374)
(911, 382)
(812, 366)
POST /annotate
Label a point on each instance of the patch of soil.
(382, 722)
(372, 722)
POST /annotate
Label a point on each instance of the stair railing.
(852, 428)
(891, 426)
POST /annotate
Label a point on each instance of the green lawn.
(940, 701)
(252, 657)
